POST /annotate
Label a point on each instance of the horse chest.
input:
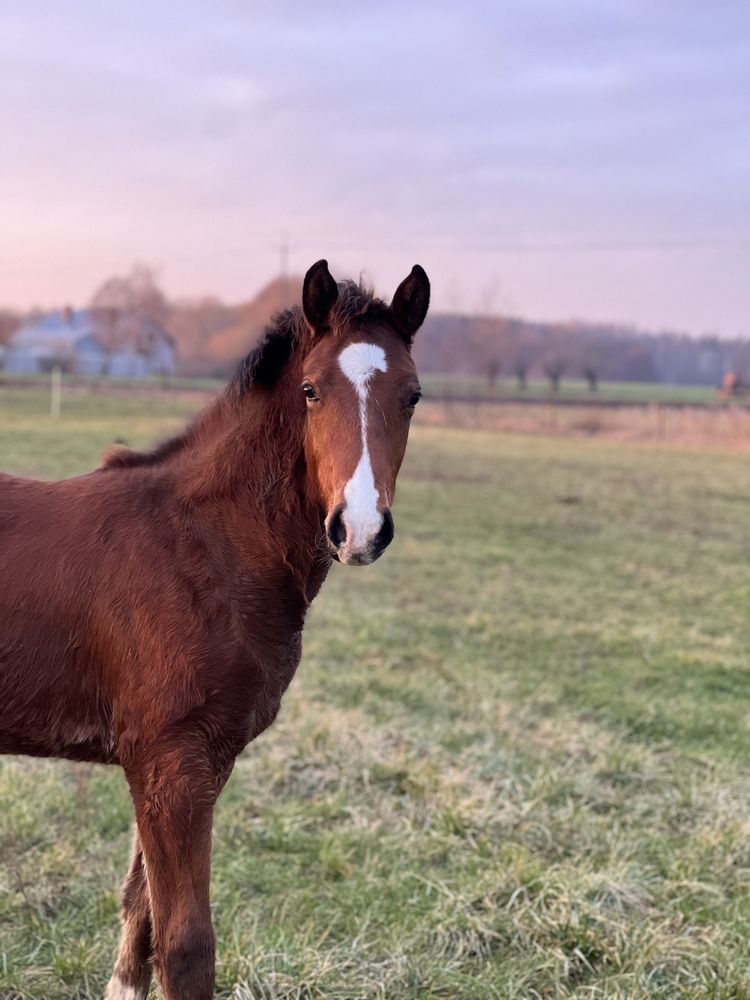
(264, 658)
(272, 678)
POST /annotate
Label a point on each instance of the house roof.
(65, 329)
(57, 330)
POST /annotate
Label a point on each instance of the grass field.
(514, 763)
(467, 386)
(449, 386)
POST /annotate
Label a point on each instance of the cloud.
(495, 139)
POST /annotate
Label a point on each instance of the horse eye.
(309, 391)
(415, 398)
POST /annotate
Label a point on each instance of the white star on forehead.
(360, 361)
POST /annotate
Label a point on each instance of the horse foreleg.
(132, 973)
(174, 802)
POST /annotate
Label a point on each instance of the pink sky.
(551, 159)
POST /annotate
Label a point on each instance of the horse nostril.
(336, 529)
(385, 535)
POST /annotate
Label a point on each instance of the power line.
(445, 244)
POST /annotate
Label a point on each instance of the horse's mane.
(262, 366)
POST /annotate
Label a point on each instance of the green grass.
(33, 444)
(102, 382)
(440, 386)
(514, 763)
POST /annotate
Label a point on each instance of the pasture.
(513, 764)
(570, 389)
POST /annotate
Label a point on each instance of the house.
(92, 343)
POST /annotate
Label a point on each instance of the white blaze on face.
(359, 362)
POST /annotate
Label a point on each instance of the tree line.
(495, 347)
(212, 336)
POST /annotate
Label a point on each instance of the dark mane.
(263, 365)
(357, 303)
(288, 330)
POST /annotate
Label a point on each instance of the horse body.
(147, 606)
(151, 612)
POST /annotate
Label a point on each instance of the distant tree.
(591, 375)
(521, 369)
(9, 323)
(557, 355)
(229, 344)
(637, 364)
(553, 367)
(489, 356)
(486, 346)
(492, 370)
(523, 347)
(741, 361)
(193, 324)
(124, 310)
(491, 331)
(587, 353)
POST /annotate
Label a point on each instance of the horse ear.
(410, 303)
(319, 295)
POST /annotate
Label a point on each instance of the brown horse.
(151, 612)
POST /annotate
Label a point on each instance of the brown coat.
(151, 612)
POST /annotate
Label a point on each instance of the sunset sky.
(551, 158)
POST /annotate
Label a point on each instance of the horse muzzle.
(350, 545)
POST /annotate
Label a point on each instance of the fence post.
(55, 392)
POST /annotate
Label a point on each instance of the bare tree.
(587, 354)
(125, 310)
(556, 355)
(492, 331)
(487, 345)
(9, 323)
(553, 367)
(591, 374)
(521, 371)
(522, 350)
(492, 369)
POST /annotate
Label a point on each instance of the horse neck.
(246, 464)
